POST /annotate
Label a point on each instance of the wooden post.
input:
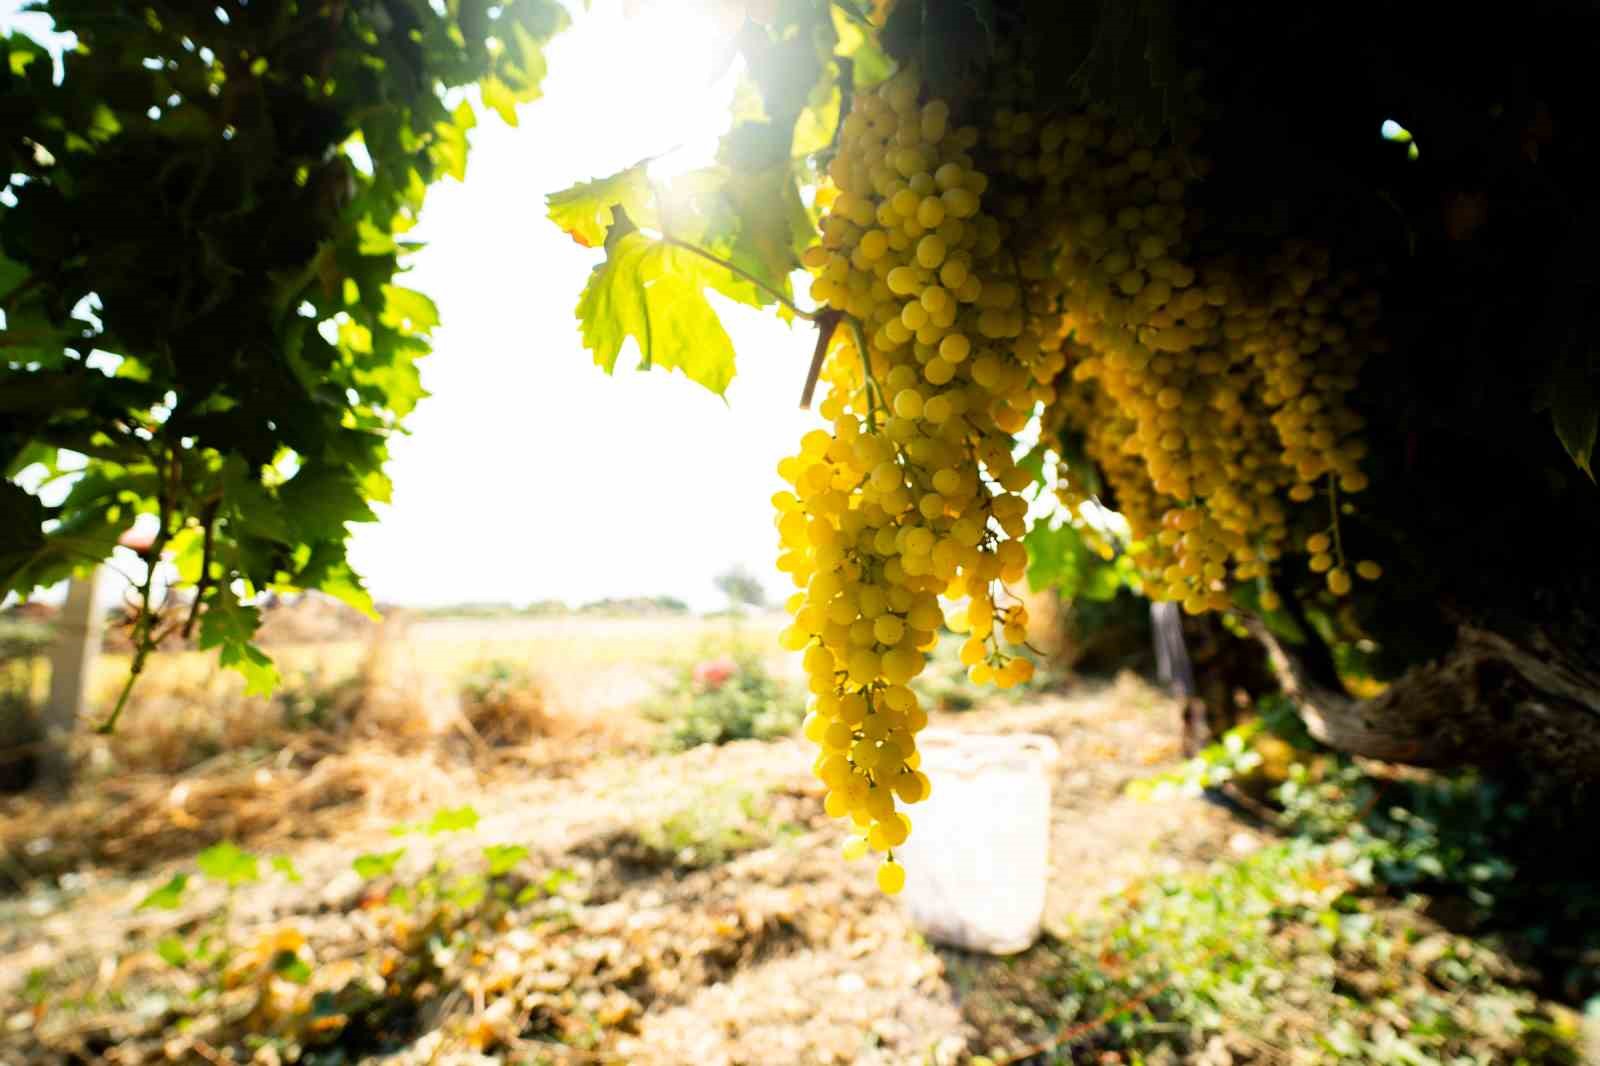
(79, 628)
(1175, 670)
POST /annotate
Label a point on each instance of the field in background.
(358, 729)
(571, 652)
(564, 840)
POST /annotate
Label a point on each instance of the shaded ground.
(673, 933)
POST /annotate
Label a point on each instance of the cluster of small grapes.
(1046, 263)
(1212, 395)
(913, 493)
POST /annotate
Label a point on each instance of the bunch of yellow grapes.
(1211, 395)
(1044, 266)
(913, 494)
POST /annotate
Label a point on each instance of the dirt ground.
(779, 952)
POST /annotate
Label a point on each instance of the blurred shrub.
(719, 824)
(1258, 754)
(505, 703)
(726, 698)
(1409, 917)
(178, 718)
(22, 642)
(1335, 944)
(23, 646)
(317, 698)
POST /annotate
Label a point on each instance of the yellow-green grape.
(891, 877)
(1339, 582)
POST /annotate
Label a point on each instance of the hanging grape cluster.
(1044, 265)
(913, 493)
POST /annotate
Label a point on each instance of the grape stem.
(1333, 513)
(145, 638)
(827, 322)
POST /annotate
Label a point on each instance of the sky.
(529, 473)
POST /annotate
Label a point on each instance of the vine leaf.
(377, 863)
(751, 219)
(449, 147)
(228, 863)
(228, 624)
(857, 45)
(1575, 410)
(655, 293)
(452, 820)
(585, 211)
(503, 857)
(814, 126)
(329, 571)
(168, 897)
(21, 533)
(1058, 558)
(499, 97)
(322, 497)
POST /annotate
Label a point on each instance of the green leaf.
(228, 863)
(21, 533)
(452, 820)
(1033, 462)
(377, 863)
(284, 866)
(322, 497)
(168, 896)
(1575, 411)
(20, 60)
(813, 129)
(586, 211)
(291, 967)
(12, 275)
(502, 857)
(656, 294)
(408, 310)
(467, 892)
(856, 44)
(248, 503)
(328, 572)
(1057, 558)
(531, 66)
(498, 97)
(229, 625)
(172, 950)
(1100, 580)
(449, 148)
(373, 241)
(774, 227)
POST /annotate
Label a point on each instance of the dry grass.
(356, 731)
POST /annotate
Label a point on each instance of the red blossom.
(713, 673)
